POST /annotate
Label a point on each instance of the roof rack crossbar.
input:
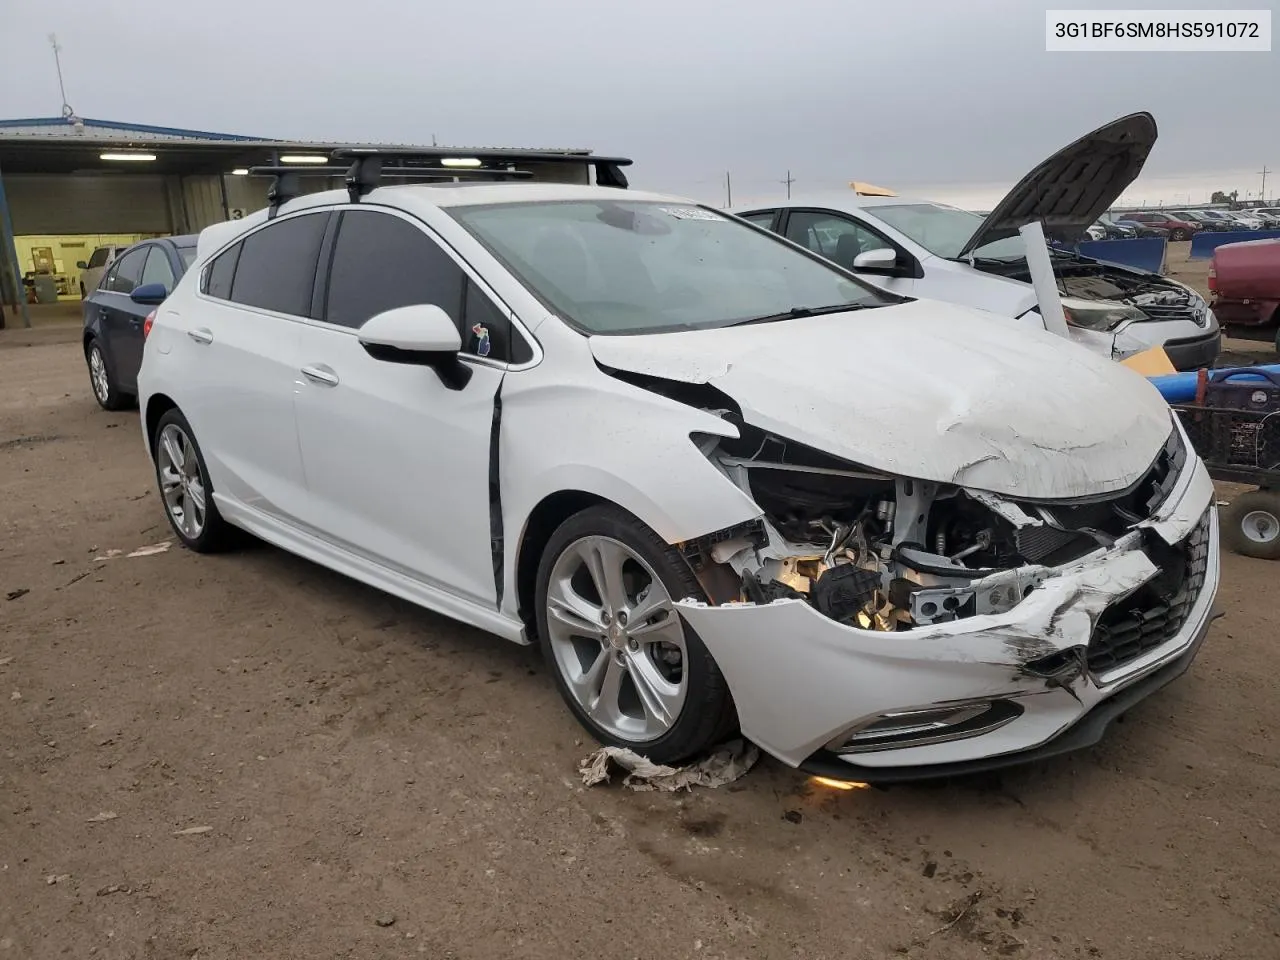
(363, 168)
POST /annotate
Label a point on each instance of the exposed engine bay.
(886, 553)
(1102, 297)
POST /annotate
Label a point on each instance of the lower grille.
(1154, 613)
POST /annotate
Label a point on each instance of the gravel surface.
(248, 756)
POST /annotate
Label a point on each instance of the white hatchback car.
(926, 249)
(721, 482)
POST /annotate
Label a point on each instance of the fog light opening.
(917, 727)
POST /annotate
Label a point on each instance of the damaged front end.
(886, 553)
(996, 603)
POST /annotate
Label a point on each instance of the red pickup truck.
(1244, 279)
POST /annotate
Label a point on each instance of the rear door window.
(276, 268)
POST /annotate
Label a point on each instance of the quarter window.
(276, 268)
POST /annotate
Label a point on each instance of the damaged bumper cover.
(975, 693)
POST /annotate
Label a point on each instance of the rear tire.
(1178, 235)
(185, 490)
(632, 672)
(1251, 524)
(101, 382)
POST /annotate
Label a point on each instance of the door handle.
(200, 335)
(321, 375)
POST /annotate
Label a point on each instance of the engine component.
(841, 592)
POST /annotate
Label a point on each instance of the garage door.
(87, 203)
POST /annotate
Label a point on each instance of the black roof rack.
(366, 166)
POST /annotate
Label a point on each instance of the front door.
(397, 463)
(115, 313)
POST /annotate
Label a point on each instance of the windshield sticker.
(691, 213)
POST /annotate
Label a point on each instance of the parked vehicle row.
(923, 249)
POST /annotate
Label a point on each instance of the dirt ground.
(248, 756)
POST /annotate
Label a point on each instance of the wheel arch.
(158, 404)
(551, 511)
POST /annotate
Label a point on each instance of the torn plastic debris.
(724, 765)
(148, 551)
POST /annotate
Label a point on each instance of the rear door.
(241, 363)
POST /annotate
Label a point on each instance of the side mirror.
(81, 265)
(880, 260)
(420, 334)
(149, 294)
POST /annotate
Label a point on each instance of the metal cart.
(1243, 446)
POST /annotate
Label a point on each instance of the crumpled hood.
(926, 390)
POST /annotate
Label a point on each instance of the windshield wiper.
(795, 313)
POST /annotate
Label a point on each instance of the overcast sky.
(956, 97)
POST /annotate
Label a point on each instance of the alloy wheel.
(181, 482)
(98, 374)
(616, 638)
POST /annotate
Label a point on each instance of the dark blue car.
(115, 314)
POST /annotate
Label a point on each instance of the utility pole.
(789, 181)
(728, 191)
(1264, 171)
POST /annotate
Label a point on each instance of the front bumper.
(1193, 353)
(800, 681)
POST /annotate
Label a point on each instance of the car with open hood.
(723, 483)
(926, 249)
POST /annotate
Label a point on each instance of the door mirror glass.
(423, 334)
(882, 258)
(149, 293)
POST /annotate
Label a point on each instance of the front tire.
(633, 673)
(103, 384)
(185, 489)
(1178, 235)
(1251, 524)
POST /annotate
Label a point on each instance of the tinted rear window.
(277, 265)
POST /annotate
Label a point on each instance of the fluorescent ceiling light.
(460, 162)
(302, 158)
(126, 156)
(240, 172)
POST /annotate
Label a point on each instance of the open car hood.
(1075, 186)
(925, 390)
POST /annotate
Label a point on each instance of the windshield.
(944, 231)
(623, 266)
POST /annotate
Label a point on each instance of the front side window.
(839, 239)
(629, 266)
(127, 271)
(276, 268)
(99, 258)
(157, 269)
(381, 262)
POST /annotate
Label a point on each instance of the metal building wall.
(87, 203)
